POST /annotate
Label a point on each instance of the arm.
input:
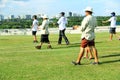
(59, 21)
(43, 25)
(84, 24)
(107, 21)
(32, 25)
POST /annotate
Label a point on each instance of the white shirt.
(35, 25)
(62, 23)
(113, 22)
(44, 27)
(88, 26)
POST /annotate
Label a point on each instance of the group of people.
(45, 32)
(87, 28)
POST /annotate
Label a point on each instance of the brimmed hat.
(45, 16)
(113, 14)
(63, 13)
(89, 9)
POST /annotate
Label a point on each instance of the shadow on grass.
(72, 45)
(63, 46)
(111, 55)
(112, 61)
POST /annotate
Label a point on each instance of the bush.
(72, 21)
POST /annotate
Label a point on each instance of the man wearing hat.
(113, 20)
(62, 27)
(88, 26)
(44, 33)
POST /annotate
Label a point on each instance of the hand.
(103, 21)
(39, 28)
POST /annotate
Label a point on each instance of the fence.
(51, 30)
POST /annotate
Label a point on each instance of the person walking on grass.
(62, 27)
(35, 28)
(112, 21)
(44, 33)
(89, 23)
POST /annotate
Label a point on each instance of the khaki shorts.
(85, 43)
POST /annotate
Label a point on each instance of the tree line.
(72, 21)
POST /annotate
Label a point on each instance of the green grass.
(19, 60)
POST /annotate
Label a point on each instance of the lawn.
(19, 60)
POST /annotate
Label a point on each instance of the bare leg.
(82, 50)
(95, 54)
(49, 45)
(86, 52)
(90, 51)
(41, 44)
(35, 38)
(111, 36)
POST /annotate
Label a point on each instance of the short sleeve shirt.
(113, 22)
(35, 25)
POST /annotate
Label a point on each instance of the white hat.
(89, 9)
(45, 16)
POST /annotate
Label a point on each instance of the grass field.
(19, 60)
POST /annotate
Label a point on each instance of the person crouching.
(44, 33)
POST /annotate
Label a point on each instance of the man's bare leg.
(35, 38)
(86, 52)
(95, 54)
(82, 50)
(111, 36)
(90, 52)
(49, 45)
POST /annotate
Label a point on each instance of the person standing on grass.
(88, 26)
(35, 28)
(62, 27)
(112, 20)
(44, 33)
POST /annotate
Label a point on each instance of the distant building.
(76, 14)
(28, 17)
(1, 17)
(70, 14)
(12, 17)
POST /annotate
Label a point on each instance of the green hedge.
(23, 23)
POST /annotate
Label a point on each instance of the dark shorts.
(85, 43)
(45, 38)
(112, 30)
(34, 33)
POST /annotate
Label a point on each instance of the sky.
(53, 7)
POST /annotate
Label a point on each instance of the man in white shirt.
(62, 27)
(112, 21)
(35, 28)
(88, 26)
